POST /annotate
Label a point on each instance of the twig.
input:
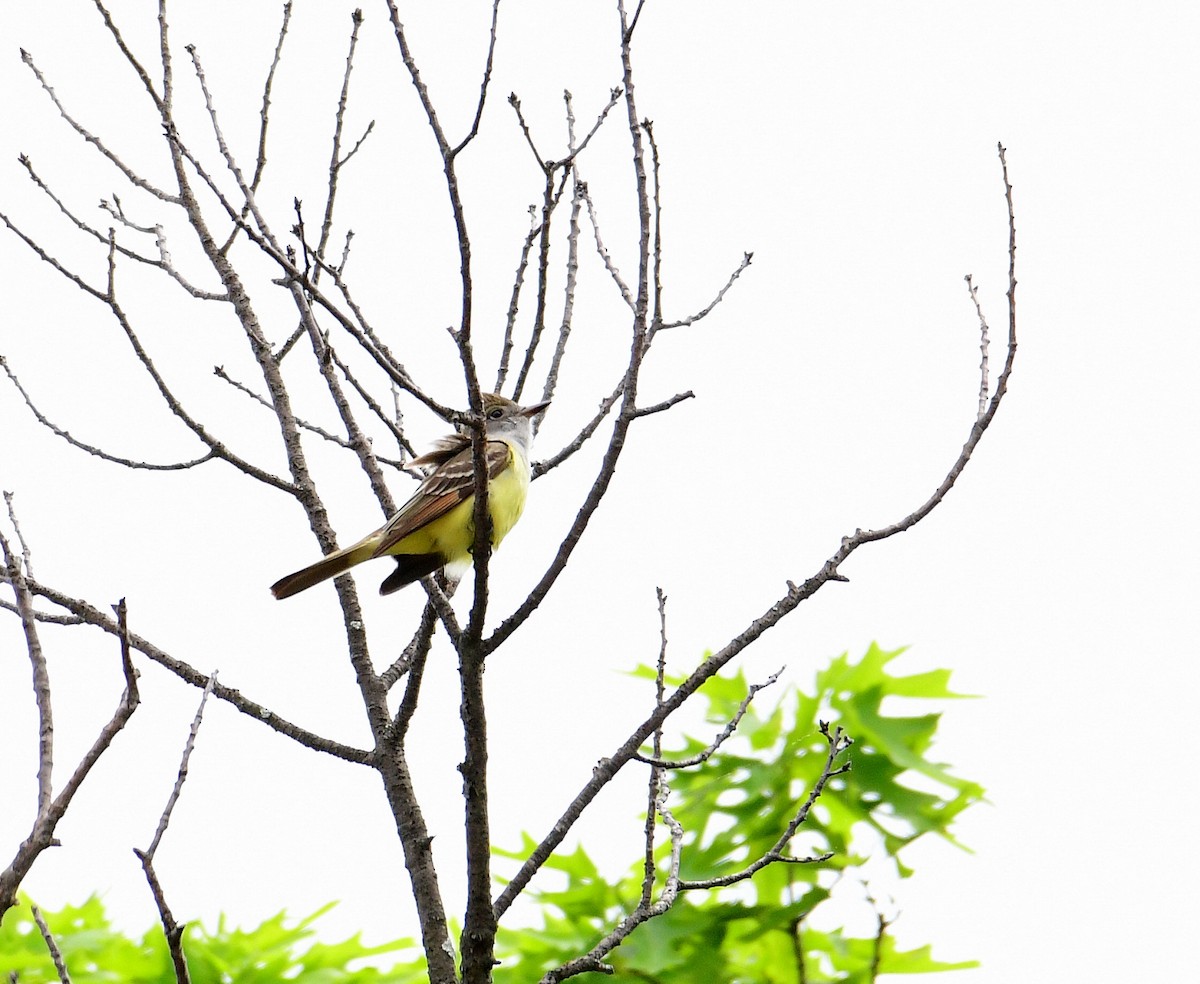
(164, 257)
(541, 467)
(655, 170)
(601, 249)
(95, 141)
(26, 553)
(336, 161)
(389, 422)
(647, 908)
(704, 312)
(181, 776)
(983, 345)
(44, 617)
(60, 965)
(41, 677)
(664, 405)
(416, 648)
(838, 742)
(518, 282)
(882, 924)
(704, 755)
(92, 449)
(655, 779)
(483, 86)
(93, 616)
(172, 929)
(220, 373)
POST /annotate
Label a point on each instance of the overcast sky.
(852, 148)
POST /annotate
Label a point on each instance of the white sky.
(852, 148)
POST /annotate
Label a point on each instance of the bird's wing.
(444, 489)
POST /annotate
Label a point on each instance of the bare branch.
(639, 343)
(93, 616)
(483, 86)
(518, 282)
(26, 553)
(601, 249)
(264, 113)
(543, 164)
(838, 742)
(664, 405)
(91, 449)
(60, 965)
(704, 312)
(114, 209)
(335, 159)
(983, 345)
(703, 756)
(44, 617)
(41, 678)
(171, 929)
(541, 467)
(95, 141)
(655, 780)
(181, 776)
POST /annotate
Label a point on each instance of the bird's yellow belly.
(453, 535)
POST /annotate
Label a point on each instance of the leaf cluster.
(277, 950)
(733, 810)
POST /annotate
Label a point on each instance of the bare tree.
(215, 201)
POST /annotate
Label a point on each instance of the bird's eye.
(496, 413)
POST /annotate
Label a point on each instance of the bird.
(435, 529)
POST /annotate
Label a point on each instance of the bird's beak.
(534, 410)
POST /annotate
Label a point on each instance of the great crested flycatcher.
(435, 529)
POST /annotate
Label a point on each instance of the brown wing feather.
(444, 448)
(444, 489)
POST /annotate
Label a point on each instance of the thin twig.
(838, 741)
(95, 141)
(983, 345)
(220, 373)
(92, 449)
(514, 301)
(60, 965)
(171, 929)
(93, 616)
(26, 553)
(704, 312)
(41, 678)
(601, 249)
(655, 779)
(181, 776)
(704, 755)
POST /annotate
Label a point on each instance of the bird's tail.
(330, 566)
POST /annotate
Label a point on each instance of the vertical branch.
(656, 772)
(26, 553)
(983, 346)
(41, 677)
(479, 924)
(172, 929)
(656, 315)
(335, 158)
